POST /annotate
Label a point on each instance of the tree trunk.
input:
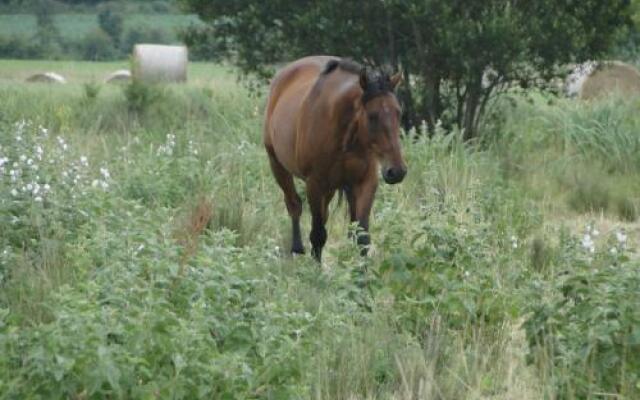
(472, 102)
(409, 117)
(432, 103)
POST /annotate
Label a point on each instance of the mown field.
(77, 26)
(143, 253)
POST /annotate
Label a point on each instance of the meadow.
(144, 253)
(77, 26)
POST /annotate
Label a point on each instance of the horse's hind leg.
(318, 203)
(291, 199)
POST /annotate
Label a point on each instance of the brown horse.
(330, 122)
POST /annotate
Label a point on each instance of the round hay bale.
(47, 77)
(576, 78)
(119, 76)
(611, 77)
(159, 63)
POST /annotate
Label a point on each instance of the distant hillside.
(78, 25)
(87, 6)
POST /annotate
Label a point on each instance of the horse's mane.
(344, 64)
(377, 81)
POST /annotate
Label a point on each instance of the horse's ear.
(364, 78)
(396, 80)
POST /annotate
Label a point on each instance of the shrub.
(584, 327)
(450, 272)
(111, 22)
(97, 46)
(19, 47)
(140, 96)
(91, 91)
(144, 34)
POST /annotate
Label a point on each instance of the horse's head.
(380, 123)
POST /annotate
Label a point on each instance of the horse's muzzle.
(394, 175)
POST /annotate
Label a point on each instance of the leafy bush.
(19, 47)
(140, 96)
(585, 327)
(111, 22)
(97, 46)
(144, 34)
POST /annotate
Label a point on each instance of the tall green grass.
(169, 276)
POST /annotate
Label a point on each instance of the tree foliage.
(456, 54)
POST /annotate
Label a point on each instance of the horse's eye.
(373, 118)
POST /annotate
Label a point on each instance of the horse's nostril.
(394, 175)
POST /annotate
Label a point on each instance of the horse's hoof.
(296, 250)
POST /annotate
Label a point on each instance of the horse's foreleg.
(291, 199)
(360, 203)
(318, 203)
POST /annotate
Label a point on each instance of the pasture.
(144, 253)
(77, 26)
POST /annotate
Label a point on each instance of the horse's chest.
(349, 169)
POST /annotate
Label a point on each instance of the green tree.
(48, 36)
(111, 22)
(457, 54)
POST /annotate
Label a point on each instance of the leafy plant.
(586, 325)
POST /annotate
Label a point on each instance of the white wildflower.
(62, 143)
(613, 251)
(138, 250)
(38, 199)
(621, 237)
(105, 173)
(84, 161)
(588, 244)
(514, 241)
(14, 192)
(23, 158)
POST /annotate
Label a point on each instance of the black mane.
(344, 64)
(377, 82)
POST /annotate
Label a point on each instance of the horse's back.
(287, 92)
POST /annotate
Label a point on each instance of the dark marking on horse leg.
(291, 198)
(296, 238)
(363, 195)
(318, 236)
(363, 238)
(319, 200)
